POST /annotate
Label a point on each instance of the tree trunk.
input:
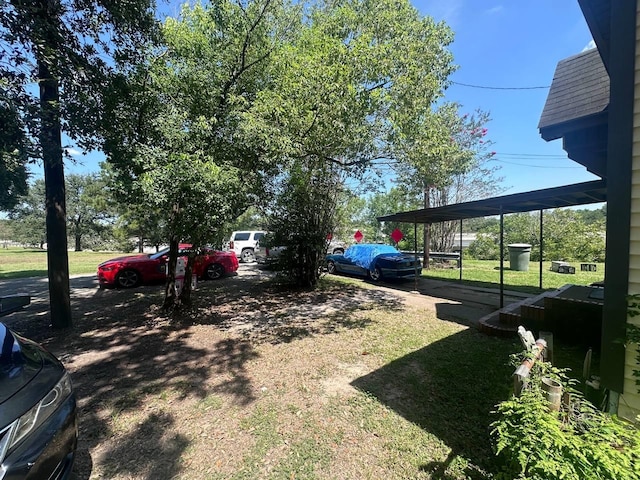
(78, 242)
(170, 297)
(185, 294)
(170, 287)
(56, 221)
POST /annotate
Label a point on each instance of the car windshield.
(155, 256)
(184, 250)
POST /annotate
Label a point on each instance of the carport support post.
(541, 248)
(501, 257)
(415, 253)
(460, 261)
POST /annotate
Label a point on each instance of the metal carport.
(537, 200)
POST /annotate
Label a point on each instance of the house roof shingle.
(580, 89)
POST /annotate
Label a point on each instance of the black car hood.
(20, 361)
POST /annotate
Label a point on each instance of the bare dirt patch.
(256, 381)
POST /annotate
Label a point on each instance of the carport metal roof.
(556, 197)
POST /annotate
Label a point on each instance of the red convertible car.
(132, 270)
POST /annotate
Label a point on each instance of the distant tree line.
(97, 220)
(570, 235)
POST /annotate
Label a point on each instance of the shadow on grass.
(125, 354)
(119, 357)
(491, 285)
(263, 311)
(449, 388)
(23, 274)
(22, 251)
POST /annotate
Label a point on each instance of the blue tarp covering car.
(374, 261)
(364, 254)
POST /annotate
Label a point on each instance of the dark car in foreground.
(38, 422)
(375, 262)
(132, 270)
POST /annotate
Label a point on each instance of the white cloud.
(589, 46)
(448, 11)
(73, 152)
(496, 9)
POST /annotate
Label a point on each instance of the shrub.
(484, 247)
(579, 442)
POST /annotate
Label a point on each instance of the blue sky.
(499, 44)
(514, 44)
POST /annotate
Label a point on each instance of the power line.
(531, 155)
(388, 164)
(526, 165)
(499, 88)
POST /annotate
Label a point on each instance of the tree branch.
(376, 87)
(243, 66)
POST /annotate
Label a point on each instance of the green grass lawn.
(378, 389)
(26, 262)
(486, 273)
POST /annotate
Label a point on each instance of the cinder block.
(588, 267)
(566, 269)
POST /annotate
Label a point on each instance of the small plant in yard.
(578, 442)
(633, 332)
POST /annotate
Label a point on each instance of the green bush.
(579, 442)
(567, 236)
(484, 247)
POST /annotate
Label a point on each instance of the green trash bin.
(519, 254)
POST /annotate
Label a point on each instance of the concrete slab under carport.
(455, 301)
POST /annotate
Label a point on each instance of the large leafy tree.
(357, 84)
(350, 215)
(139, 226)
(451, 166)
(397, 199)
(89, 211)
(303, 217)
(180, 150)
(6, 232)
(27, 217)
(197, 197)
(64, 46)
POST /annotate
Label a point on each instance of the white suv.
(244, 244)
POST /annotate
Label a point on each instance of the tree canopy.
(180, 150)
(358, 83)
